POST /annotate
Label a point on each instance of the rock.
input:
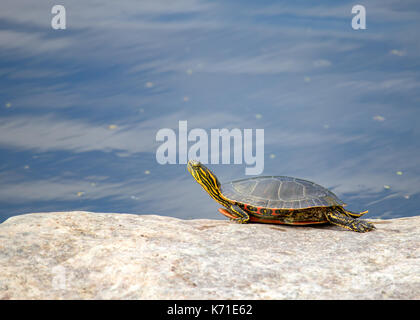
(83, 255)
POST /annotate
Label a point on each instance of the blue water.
(80, 107)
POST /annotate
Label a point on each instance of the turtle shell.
(279, 192)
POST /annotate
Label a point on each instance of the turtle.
(277, 200)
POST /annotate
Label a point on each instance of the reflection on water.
(80, 108)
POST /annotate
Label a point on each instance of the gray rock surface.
(82, 255)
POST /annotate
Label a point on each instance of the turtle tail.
(354, 214)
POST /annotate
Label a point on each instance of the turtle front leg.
(235, 213)
(338, 218)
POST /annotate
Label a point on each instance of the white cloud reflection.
(49, 133)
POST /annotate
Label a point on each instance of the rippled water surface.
(80, 108)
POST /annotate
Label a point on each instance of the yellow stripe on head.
(207, 180)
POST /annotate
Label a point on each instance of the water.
(80, 108)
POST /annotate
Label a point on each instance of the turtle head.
(204, 177)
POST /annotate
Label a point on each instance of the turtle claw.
(240, 220)
(362, 226)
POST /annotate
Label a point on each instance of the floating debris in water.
(272, 156)
(379, 118)
(123, 154)
(147, 172)
(387, 187)
(93, 184)
(80, 193)
(8, 105)
(258, 116)
(112, 127)
(321, 63)
(399, 173)
(186, 99)
(407, 196)
(307, 79)
(135, 198)
(26, 167)
(399, 53)
(326, 126)
(149, 84)
(189, 72)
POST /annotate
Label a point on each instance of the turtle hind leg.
(235, 213)
(341, 219)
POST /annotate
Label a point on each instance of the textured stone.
(82, 255)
